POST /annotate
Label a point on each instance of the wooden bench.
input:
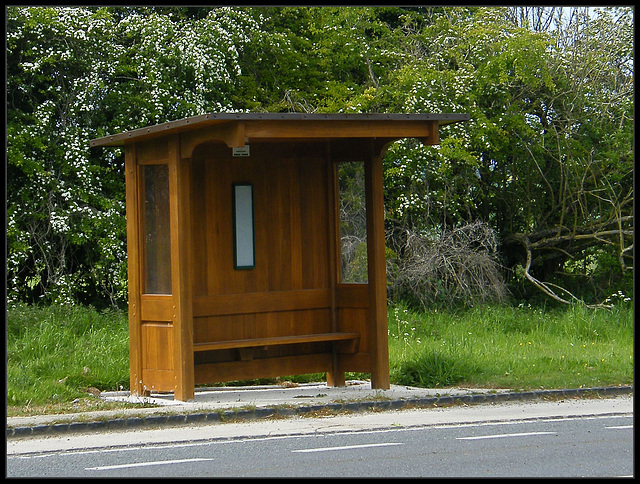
(348, 343)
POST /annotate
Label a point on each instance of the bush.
(460, 267)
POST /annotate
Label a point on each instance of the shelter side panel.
(352, 315)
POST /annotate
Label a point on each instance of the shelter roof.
(293, 125)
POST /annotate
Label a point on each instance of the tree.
(64, 209)
(586, 148)
(545, 162)
(74, 74)
(547, 155)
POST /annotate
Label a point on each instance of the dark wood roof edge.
(214, 118)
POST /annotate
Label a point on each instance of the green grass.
(512, 347)
(59, 355)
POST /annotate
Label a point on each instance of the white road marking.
(499, 436)
(323, 449)
(144, 464)
(620, 427)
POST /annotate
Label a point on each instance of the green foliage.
(75, 74)
(549, 146)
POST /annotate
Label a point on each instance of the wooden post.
(335, 377)
(379, 348)
(133, 268)
(179, 200)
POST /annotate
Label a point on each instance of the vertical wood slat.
(180, 208)
(295, 224)
(200, 206)
(336, 377)
(134, 269)
(257, 279)
(157, 338)
(218, 223)
(377, 271)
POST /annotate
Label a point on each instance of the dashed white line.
(344, 447)
(499, 436)
(144, 464)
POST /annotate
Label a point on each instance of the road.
(585, 438)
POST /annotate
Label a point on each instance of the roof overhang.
(236, 129)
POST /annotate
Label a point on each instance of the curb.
(258, 413)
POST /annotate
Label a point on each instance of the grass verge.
(60, 357)
(512, 347)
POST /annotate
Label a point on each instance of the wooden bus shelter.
(234, 247)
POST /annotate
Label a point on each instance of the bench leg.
(336, 379)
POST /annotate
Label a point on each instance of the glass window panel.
(157, 236)
(353, 223)
(244, 250)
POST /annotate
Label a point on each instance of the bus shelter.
(235, 249)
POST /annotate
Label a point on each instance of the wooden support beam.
(335, 129)
(379, 348)
(335, 377)
(180, 207)
(232, 134)
(133, 267)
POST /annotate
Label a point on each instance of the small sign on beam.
(241, 151)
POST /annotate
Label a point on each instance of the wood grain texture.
(134, 270)
(287, 315)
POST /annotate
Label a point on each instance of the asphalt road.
(585, 438)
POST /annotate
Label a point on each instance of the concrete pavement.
(218, 404)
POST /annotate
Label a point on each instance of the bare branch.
(547, 287)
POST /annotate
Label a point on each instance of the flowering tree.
(75, 74)
(545, 162)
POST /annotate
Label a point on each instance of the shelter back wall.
(289, 290)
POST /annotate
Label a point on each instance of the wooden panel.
(262, 368)
(219, 229)
(157, 308)
(157, 356)
(359, 362)
(314, 223)
(260, 302)
(152, 152)
(262, 325)
(158, 380)
(199, 214)
(258, 280)
(352, 295)
(355, 321)
(290, 216)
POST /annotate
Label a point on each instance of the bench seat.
(279, 340)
